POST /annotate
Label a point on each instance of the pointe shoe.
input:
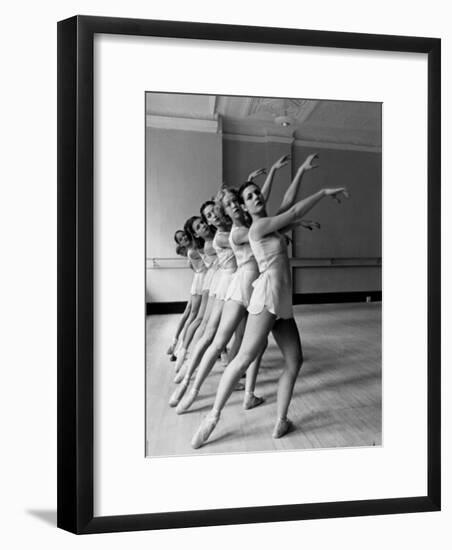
(177, 394)
(180, 374)
(282, 426)
(180, 358)
(187, 401)
(205, 429)
(252, 401)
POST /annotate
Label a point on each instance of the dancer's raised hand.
(281, 162)
(337, 194)
(308, 163)
(256, 173)
(309, 224)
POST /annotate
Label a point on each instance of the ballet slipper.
(250, 401)
(282, 426)
(205, 429)
(180, 358)
(239, 387)
(177, 394)
(187, 401)
(180, 374)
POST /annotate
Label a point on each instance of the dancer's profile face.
(232, 206)
(200, 228)
(253, 200)
(212, 216)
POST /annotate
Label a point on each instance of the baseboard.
(159, 308)
(337, 297)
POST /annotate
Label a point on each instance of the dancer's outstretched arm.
(291, 194)
(267, 187)
(270, 224)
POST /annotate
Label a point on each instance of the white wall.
(183, 169)
(28, 305)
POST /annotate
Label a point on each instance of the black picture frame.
(75, 274)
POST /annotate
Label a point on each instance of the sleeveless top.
(243, 253)
(273, 287)
(226, 258)
(209, 256)
(196, 261)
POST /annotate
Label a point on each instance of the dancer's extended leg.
(233, 313)
(250, 400)
(180, 326)
(198, 352)
(257, 328)
(192, 327)
(287, 337)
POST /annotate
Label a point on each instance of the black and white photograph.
(263, 274)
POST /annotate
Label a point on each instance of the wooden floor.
(336, 402)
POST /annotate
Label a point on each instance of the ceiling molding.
(259, 139)
(182, 123)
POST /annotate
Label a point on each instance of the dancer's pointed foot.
(177, 394)
(180, 359)
(187, 401)
(282, 427)
(250, 401)
(205, 429)
(180, 374)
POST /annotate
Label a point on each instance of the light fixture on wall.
(284, 120)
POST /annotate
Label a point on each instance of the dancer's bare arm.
(294, 215)
(291, 194)
(267, 187)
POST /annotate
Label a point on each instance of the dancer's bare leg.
(179, 328)
(287, 337)
(203, 343)
(205, 319)
(192, 328)
(233, 313)
(250, 400)
(257, 328)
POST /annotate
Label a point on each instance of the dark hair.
(181, 250)
(197, 242)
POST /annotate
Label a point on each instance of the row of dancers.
(241, 291)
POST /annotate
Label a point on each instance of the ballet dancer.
(213, 214)
(270, 307)
(239, 292)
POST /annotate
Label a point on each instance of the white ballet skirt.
(211, 262)
(198, 266)
(273, 288)
(226, 268)
(240, 288)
